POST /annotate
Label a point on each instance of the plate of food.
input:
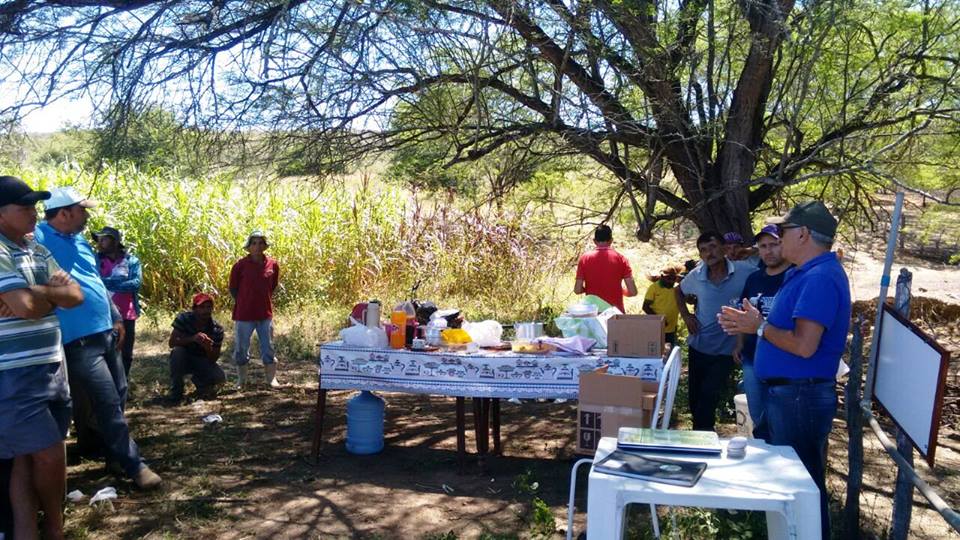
(536, 347)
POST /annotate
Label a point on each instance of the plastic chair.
(666, 391)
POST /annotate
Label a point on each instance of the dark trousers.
(99, 388)
(801, 416)
(6, 511)
(708, 375)
(126, 349)
(206, 373)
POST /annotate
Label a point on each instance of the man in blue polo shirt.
(716, 282)
(96, 374)
(802, 340)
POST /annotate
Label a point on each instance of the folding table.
(770, 479)
(486, 376)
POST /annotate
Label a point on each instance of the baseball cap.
(770, 230)
(256, 234)
(67, 196)
(201, 298)
(108, 231)
(732, 238)
(15, 191)
(813, 215)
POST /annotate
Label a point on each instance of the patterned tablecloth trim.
(488, 374)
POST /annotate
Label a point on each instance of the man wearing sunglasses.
(800, 343)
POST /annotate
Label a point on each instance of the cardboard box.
(636, 335)
(609, 402)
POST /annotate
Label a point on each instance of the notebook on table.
(653, 469)
(668, 440)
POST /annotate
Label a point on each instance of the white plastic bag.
(106, 495)
(359, 335)
(484, 333)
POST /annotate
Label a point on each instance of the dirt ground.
(250, 476)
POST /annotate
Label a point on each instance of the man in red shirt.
(253, 280)
(601, 271)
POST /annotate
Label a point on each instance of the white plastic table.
(770, 479)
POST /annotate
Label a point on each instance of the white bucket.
(744, 422)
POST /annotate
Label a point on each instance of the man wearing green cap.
(800, 343)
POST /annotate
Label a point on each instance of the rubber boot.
(270, 371)
(241, 376)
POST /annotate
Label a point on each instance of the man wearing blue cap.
(760, 289)
(34, 396)
(96, 374)
(800, 343)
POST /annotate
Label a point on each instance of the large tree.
(735, 98)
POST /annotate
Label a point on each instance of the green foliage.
(542, 524)
(525, 483)
(681, 522)
(336, 246)
(150, 138)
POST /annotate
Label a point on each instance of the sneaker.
(147, 479)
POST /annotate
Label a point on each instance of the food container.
(528, 331)
(582, 310)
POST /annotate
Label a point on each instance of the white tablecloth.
(499, 374)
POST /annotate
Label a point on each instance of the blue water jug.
(365, 423)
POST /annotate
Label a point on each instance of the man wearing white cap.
(253, 280)
(95, 371)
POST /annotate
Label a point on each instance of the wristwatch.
(761, 328)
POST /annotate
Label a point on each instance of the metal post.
(903, 493)
(884, 284)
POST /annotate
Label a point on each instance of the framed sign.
(911, 374)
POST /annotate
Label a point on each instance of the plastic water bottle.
(365, 423)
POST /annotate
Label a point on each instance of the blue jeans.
(756, 395)
(99, 385)
(244, 330)
(801, 416)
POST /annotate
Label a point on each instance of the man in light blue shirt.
(716, 282)
(96, 374)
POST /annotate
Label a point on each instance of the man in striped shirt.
(34, 397)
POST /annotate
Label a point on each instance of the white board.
(910, 375)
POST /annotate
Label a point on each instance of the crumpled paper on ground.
(212, 419)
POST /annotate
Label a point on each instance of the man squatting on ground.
(253, 280)
(800, 344)
(716, 282)
(195, 343)
(34, 397)
(601, 271)
(122, 276)
(96, 374)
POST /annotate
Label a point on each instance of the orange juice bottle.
(399, 320)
